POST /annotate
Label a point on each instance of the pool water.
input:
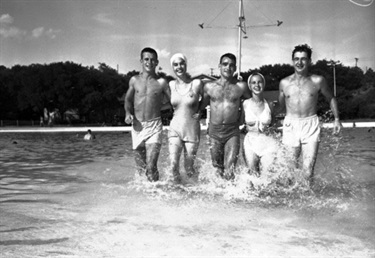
(61, 196)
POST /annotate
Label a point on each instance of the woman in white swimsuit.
(184, 129)
(259, 148)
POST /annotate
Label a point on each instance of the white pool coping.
(58, 129)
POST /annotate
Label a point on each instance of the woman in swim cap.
(184, 129)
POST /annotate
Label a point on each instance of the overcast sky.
(89, 32)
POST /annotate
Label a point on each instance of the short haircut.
(230, 56)
(303, 48)
(149, 50)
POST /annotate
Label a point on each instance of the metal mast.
(241, 29)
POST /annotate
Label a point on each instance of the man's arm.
(241, 115)
(272, 106)
(205, 100)
(332, 103)
(198, 88)
(166, 96)
(167, 91)
(246, 91)
(205, 97)
(129, 102)
(280, 105)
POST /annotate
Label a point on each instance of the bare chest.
(301, 92)
(230, 93)
(148, 89)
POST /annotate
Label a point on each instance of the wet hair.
(149, 50)
(303, 48)
(230, 56)
(252, 75)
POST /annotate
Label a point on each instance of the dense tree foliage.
(91, 94)
(94, 95)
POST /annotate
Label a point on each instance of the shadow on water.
(34, 241)
(18, 229)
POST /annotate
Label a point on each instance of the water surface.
(61, 196)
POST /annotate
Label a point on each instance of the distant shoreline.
(59, 129)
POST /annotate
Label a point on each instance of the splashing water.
(282, 186)
(61, 197)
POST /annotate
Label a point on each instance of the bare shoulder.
(134, 79)
(317, 78)
(197, 83)
(209, 85)
(246, 102)
(286, 80)
(319, 81)
(197, 86)
(134, 82)
(242, 85)
(171, 83)
(163, 83)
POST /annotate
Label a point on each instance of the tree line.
(94, 94)
(355, 89)
(26, 92)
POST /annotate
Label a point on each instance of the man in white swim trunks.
(143, 103)
(299, 94)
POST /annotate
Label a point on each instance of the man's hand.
(336, 126)
(129, 119)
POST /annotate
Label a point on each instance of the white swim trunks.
(147, 132)
(297, 131)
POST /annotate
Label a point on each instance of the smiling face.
(179, 66)
(301, 61)
(149, 61)
(256, 84)
(227, 67)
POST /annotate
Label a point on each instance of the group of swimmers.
(232, 102)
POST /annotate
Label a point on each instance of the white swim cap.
(176, 56)
(251, 76)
